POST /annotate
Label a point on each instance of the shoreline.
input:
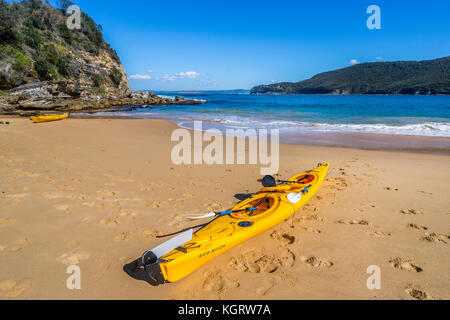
(351, 140)
(348, 140)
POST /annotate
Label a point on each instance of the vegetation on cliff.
(403, 77)
(36, 45)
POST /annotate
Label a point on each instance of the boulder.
(6, 108)
(33, 91)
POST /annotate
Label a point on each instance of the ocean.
(308, 114)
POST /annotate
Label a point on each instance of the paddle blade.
(200, 216)
(172, 244)
(294, 197)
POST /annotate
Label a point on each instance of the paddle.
(296, 197)
(213, 214)
(151, 256)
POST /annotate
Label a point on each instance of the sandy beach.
(96, 192)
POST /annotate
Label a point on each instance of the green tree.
(116, 76)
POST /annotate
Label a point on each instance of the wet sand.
(372, 141)
(94, 193)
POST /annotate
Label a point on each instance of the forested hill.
(36, 46)
(402, 77)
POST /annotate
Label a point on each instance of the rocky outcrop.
(27, 99)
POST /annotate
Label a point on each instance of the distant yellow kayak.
(55, 117)
(249, 218)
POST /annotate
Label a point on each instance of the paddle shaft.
(224, 213)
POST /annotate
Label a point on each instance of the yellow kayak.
(249, 218)
(56, 117)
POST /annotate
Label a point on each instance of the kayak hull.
(227, 232)
(41, 119)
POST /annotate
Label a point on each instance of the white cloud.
(140, 77)
(189, 74)
(354, 61)
(150, 71)
(380, 58)
(273, 81)
(180, 75)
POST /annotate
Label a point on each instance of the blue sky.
(209, 45)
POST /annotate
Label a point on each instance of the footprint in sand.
(312, 230)
(51, 196)
(111, 222)
(265, 286)
(380, 234)
(71, 258)
(213, 206)
(21, 243)
(6, 222)
(417, 227)
(63, 208)
(283, 237)
(259, 262)
(316, 263)
(391, 189)
(410, 212)
(176, 221)
(150, 234)
(17, 198)
(128, 213)
(123, 236)
(85, 222)
(340, 184)
(354, 222)
(310, 207)
(215, 281)
(12, 289)
(434, 237)
(89, 204)
(311, 217)
(406, 265)
(154, 205)
(18, 189)
(419, 294)
(104, 194)
(79, 197)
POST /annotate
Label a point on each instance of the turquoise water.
(406, 115)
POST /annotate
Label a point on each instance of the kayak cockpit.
(265, 204)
